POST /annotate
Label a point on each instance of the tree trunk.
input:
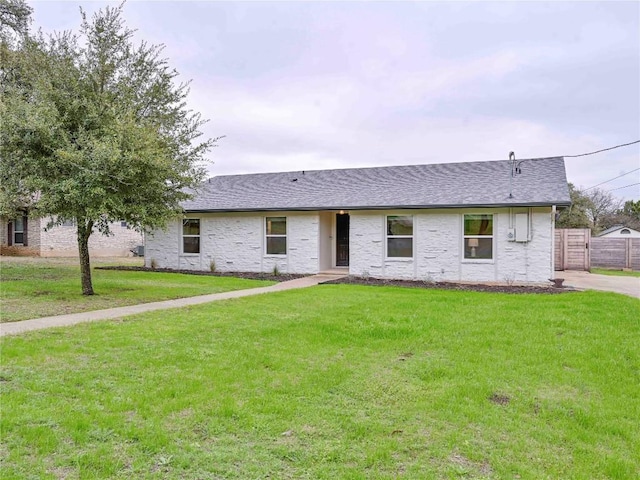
(84, 232)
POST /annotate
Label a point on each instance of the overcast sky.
(304, 86)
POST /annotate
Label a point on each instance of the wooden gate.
(572, 250)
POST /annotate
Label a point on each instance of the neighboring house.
(27, 236)
(619, 231)
(478, 221)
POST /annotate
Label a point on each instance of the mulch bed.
(353, 280)
(281, 277)
(474, 287)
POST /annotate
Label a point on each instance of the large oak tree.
(96, 129)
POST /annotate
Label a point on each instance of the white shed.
(620, 231)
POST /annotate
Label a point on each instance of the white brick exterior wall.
(236, 242)
(438, 247)
(61, 241)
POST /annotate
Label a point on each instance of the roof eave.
(561, 203)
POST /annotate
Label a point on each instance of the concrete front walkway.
(608, 283)
(13, 328)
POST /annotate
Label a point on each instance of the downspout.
(553, 241)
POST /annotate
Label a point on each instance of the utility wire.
(607, 181)
(620, 188)
(603, 150)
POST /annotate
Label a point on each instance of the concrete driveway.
(609, 283)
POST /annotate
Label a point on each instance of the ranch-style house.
(489, 221)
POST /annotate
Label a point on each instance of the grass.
(619, 273)
(39, 287)
(334, 381)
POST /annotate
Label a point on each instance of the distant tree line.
(598, 210)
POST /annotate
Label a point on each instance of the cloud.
(313, 85)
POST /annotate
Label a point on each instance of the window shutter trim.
(25, 229)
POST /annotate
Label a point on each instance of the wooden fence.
(575, 249)
(615, 252)
(572, 248)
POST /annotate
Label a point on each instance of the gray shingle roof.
(473, 184)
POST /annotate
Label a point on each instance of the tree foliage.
(598, 210)
(15, 18)
(631, 208)
(576, 216)
(96, 129)
(628, 215)
(601, 205)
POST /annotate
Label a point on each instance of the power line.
(607, 181)
(620, 188)
(603, 150)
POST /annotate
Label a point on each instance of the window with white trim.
(478, 236)
(625, 231)
(276, 235)
(191, 235)
(18, 231)
(399, 236)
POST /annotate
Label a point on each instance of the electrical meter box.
(522, 227)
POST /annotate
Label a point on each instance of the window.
(191, 235)
(69, 223)
(18, 231)
(276, 235)
(478, 236)
(625, 231)
(400, 236)
(124, 224)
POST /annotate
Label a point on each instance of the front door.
(342, 240)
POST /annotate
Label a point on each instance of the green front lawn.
(619, 273)
(33, 288)
(332, 382)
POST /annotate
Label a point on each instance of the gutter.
(383, 207)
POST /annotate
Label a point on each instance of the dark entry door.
(342, 240)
